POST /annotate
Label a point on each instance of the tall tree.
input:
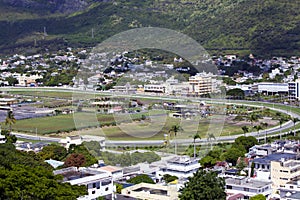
(75, 160)
(245, 142)
(258, 128)
(209, 139)
(10, 120)
(245, 130)
(281, 120)
(196, 136)
(175, 129)
(203, 185)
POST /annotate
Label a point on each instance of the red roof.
(236, 196)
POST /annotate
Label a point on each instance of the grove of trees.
(26, 176)
(203, 185)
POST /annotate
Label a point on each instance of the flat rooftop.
(274, 157)
(182, 160)
(245, 182)
(72, 173)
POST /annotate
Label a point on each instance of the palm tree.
(196, 136)
(10, 120)
(245, 130)
(209, 138)
(175, 129)
(258, 128)
(281, 120)
(295, 120)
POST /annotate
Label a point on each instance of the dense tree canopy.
(143, 178)
(245, 142)
(235, 93)
(26, 176)
(54, 152)
(75, 160)
(203, 185)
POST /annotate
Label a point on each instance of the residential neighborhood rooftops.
(182, 160)
(75, 176)
(274, 157)
(251, 183)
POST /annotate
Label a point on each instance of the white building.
(294, 90)
(180, 166)
(98, 183)
(151, 192)
(274, 73)
(76, 140)
(271, 88)
(2, 139)
(248, 187)
(155, 88)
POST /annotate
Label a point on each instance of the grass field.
(84, 123)
(65, 123)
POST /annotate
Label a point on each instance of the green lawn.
(61, 123)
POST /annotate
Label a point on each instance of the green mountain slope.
(264, 27)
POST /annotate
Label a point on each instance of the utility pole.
(36, 133)
(92, 32)
(45, 33)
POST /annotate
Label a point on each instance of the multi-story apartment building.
(202, 84)
(181, 166)
(294, 90)
(283, 172)
(262, 166)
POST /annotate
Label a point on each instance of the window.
(93, 192)
(286, 179)
(229, 187)
(106, 182)
(94, 185)
(246, 189)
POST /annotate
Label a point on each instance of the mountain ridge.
(265, 27)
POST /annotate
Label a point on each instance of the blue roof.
(274, 157)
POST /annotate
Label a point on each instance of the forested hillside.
(264, 27)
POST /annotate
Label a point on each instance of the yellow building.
(202, 83)
(283, 172)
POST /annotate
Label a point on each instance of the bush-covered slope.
(263, 27)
